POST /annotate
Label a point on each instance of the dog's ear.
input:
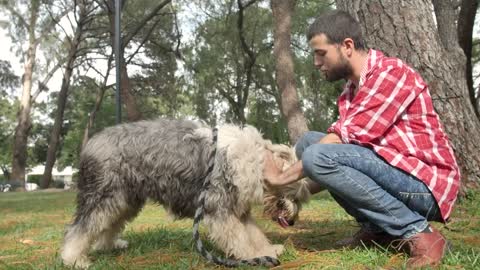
(284, 152)
(302, 194)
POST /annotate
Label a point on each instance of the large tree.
(407, 29)
(282, 13)
(466, 21)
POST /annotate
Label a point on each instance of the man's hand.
(331, 138)
(274, 176)
(271, 170)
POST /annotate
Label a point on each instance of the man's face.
(330, 59)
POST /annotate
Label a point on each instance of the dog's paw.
(120, 244)
(272, 251)
(279, 249)
(80, 263)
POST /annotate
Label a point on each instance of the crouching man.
(386, 160)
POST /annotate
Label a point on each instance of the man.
(386, 160)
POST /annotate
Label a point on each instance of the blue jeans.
(379, 196)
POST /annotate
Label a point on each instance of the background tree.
(83, 14)
(8, 107)
(33, 27)
(407, 29)
(216, 70)
(83, 96)
(226, 70)
(142, 22)
(149, 47)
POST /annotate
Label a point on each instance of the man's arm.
(275, 177)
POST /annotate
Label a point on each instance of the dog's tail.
(265, 261)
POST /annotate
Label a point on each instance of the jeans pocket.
(424, 203)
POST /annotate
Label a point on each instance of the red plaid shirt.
(392, 113)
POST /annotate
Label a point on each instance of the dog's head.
(244, 149)
(283, 204)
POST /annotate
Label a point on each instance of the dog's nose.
(291, 222)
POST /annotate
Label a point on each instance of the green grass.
(32, 226)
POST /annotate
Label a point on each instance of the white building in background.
(66, 176)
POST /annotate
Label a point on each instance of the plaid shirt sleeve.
(383, 99)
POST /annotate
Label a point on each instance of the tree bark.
(19, 159)
(466, 21)
(131, 107)
(284, 68)
(62, 97)
(406, 29)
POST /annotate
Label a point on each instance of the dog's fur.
(167, 161)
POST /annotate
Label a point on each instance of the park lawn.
(32, 226)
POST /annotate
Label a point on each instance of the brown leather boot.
(426, 249)
(367, 238)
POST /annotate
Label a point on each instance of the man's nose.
(317, 62)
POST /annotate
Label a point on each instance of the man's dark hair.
(337, 25)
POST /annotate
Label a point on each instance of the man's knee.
(315, 161)
(307, 139)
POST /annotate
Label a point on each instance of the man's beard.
(341, 71)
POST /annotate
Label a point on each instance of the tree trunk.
(62, 98)
(133, 113)
(19, 159)
(406, 29)
(466, 20)
(284, 73)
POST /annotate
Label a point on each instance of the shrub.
(58, 184)
(36, 178)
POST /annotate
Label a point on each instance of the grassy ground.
(32, 225)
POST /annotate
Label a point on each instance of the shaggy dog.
(168, 162)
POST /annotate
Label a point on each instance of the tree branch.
(43, 84)
(145, 38)
(142, 23)
(48, 29)
(17, 15)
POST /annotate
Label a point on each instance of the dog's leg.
(260, 241)
(76, 245)
(232, 236)
(96, 219)
(109, 239)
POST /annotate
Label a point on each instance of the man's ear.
(349, 46)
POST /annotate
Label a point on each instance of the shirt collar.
(373, 58)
